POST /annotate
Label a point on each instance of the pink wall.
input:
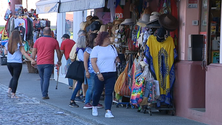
(197, 88)
(189, 87)
(189, 90)
(186, 28)
(214, 93)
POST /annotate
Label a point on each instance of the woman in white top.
(14, 50)
(103, 58)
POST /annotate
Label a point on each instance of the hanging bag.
(76, 70)
(121, 80)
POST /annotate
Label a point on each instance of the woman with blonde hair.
(14, 50)
(79, 51)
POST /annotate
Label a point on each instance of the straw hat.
(117, 22)
(127, 22)
(82, 25)
(88, 18)
(143, 20)
(168, 21)
(103, 28)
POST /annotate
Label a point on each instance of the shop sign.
(192, 3)
(119, 12)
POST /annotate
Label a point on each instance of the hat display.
(66, 36)
(168, 21)
(127, 22)
(143, 20)
(82, 25)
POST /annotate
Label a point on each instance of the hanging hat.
(82, 25)
(143, 20)
(127, 22)
(88, 18)
(154, 17)
(117, 22)
(168, 21)
(103, 28)
(154, 20)
(93, 26)
(154, 24)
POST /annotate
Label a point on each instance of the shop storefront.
(198, 83)
(196, 89)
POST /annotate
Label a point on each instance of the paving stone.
(27, 111)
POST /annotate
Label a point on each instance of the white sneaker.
(94, 111)
(109, 114)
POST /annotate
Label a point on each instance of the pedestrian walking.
(103, 58)
(81, 45)
(66, 47)
(44, 47)
(14, 49)
(89, 71)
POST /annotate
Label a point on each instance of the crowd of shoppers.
(96, 52)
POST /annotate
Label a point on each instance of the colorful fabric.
(137, 92)
(161, 56)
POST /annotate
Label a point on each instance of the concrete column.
(221, 38)
(77, 19)
(13, 2)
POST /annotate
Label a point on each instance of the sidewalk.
(29, 86)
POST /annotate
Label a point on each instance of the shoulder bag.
(76, 70)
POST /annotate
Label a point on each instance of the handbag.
(76, 70)
(125, 89)
(121, 80)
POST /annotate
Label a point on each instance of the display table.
(31, 69)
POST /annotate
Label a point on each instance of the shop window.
(69, 24)
(214, 31)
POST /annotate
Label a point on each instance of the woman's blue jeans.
(90, 89)
(109, 82)
(45, 71)
(78, 87)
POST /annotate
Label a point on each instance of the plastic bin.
(3, 60)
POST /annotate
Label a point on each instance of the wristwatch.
(97, 73)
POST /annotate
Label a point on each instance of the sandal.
(14, 96)
(9, 92)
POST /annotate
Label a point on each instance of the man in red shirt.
(45, 47)
(66, 47)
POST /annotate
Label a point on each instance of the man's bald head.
(47, 31)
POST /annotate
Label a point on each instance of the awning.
(47, 6)
(79, 5)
